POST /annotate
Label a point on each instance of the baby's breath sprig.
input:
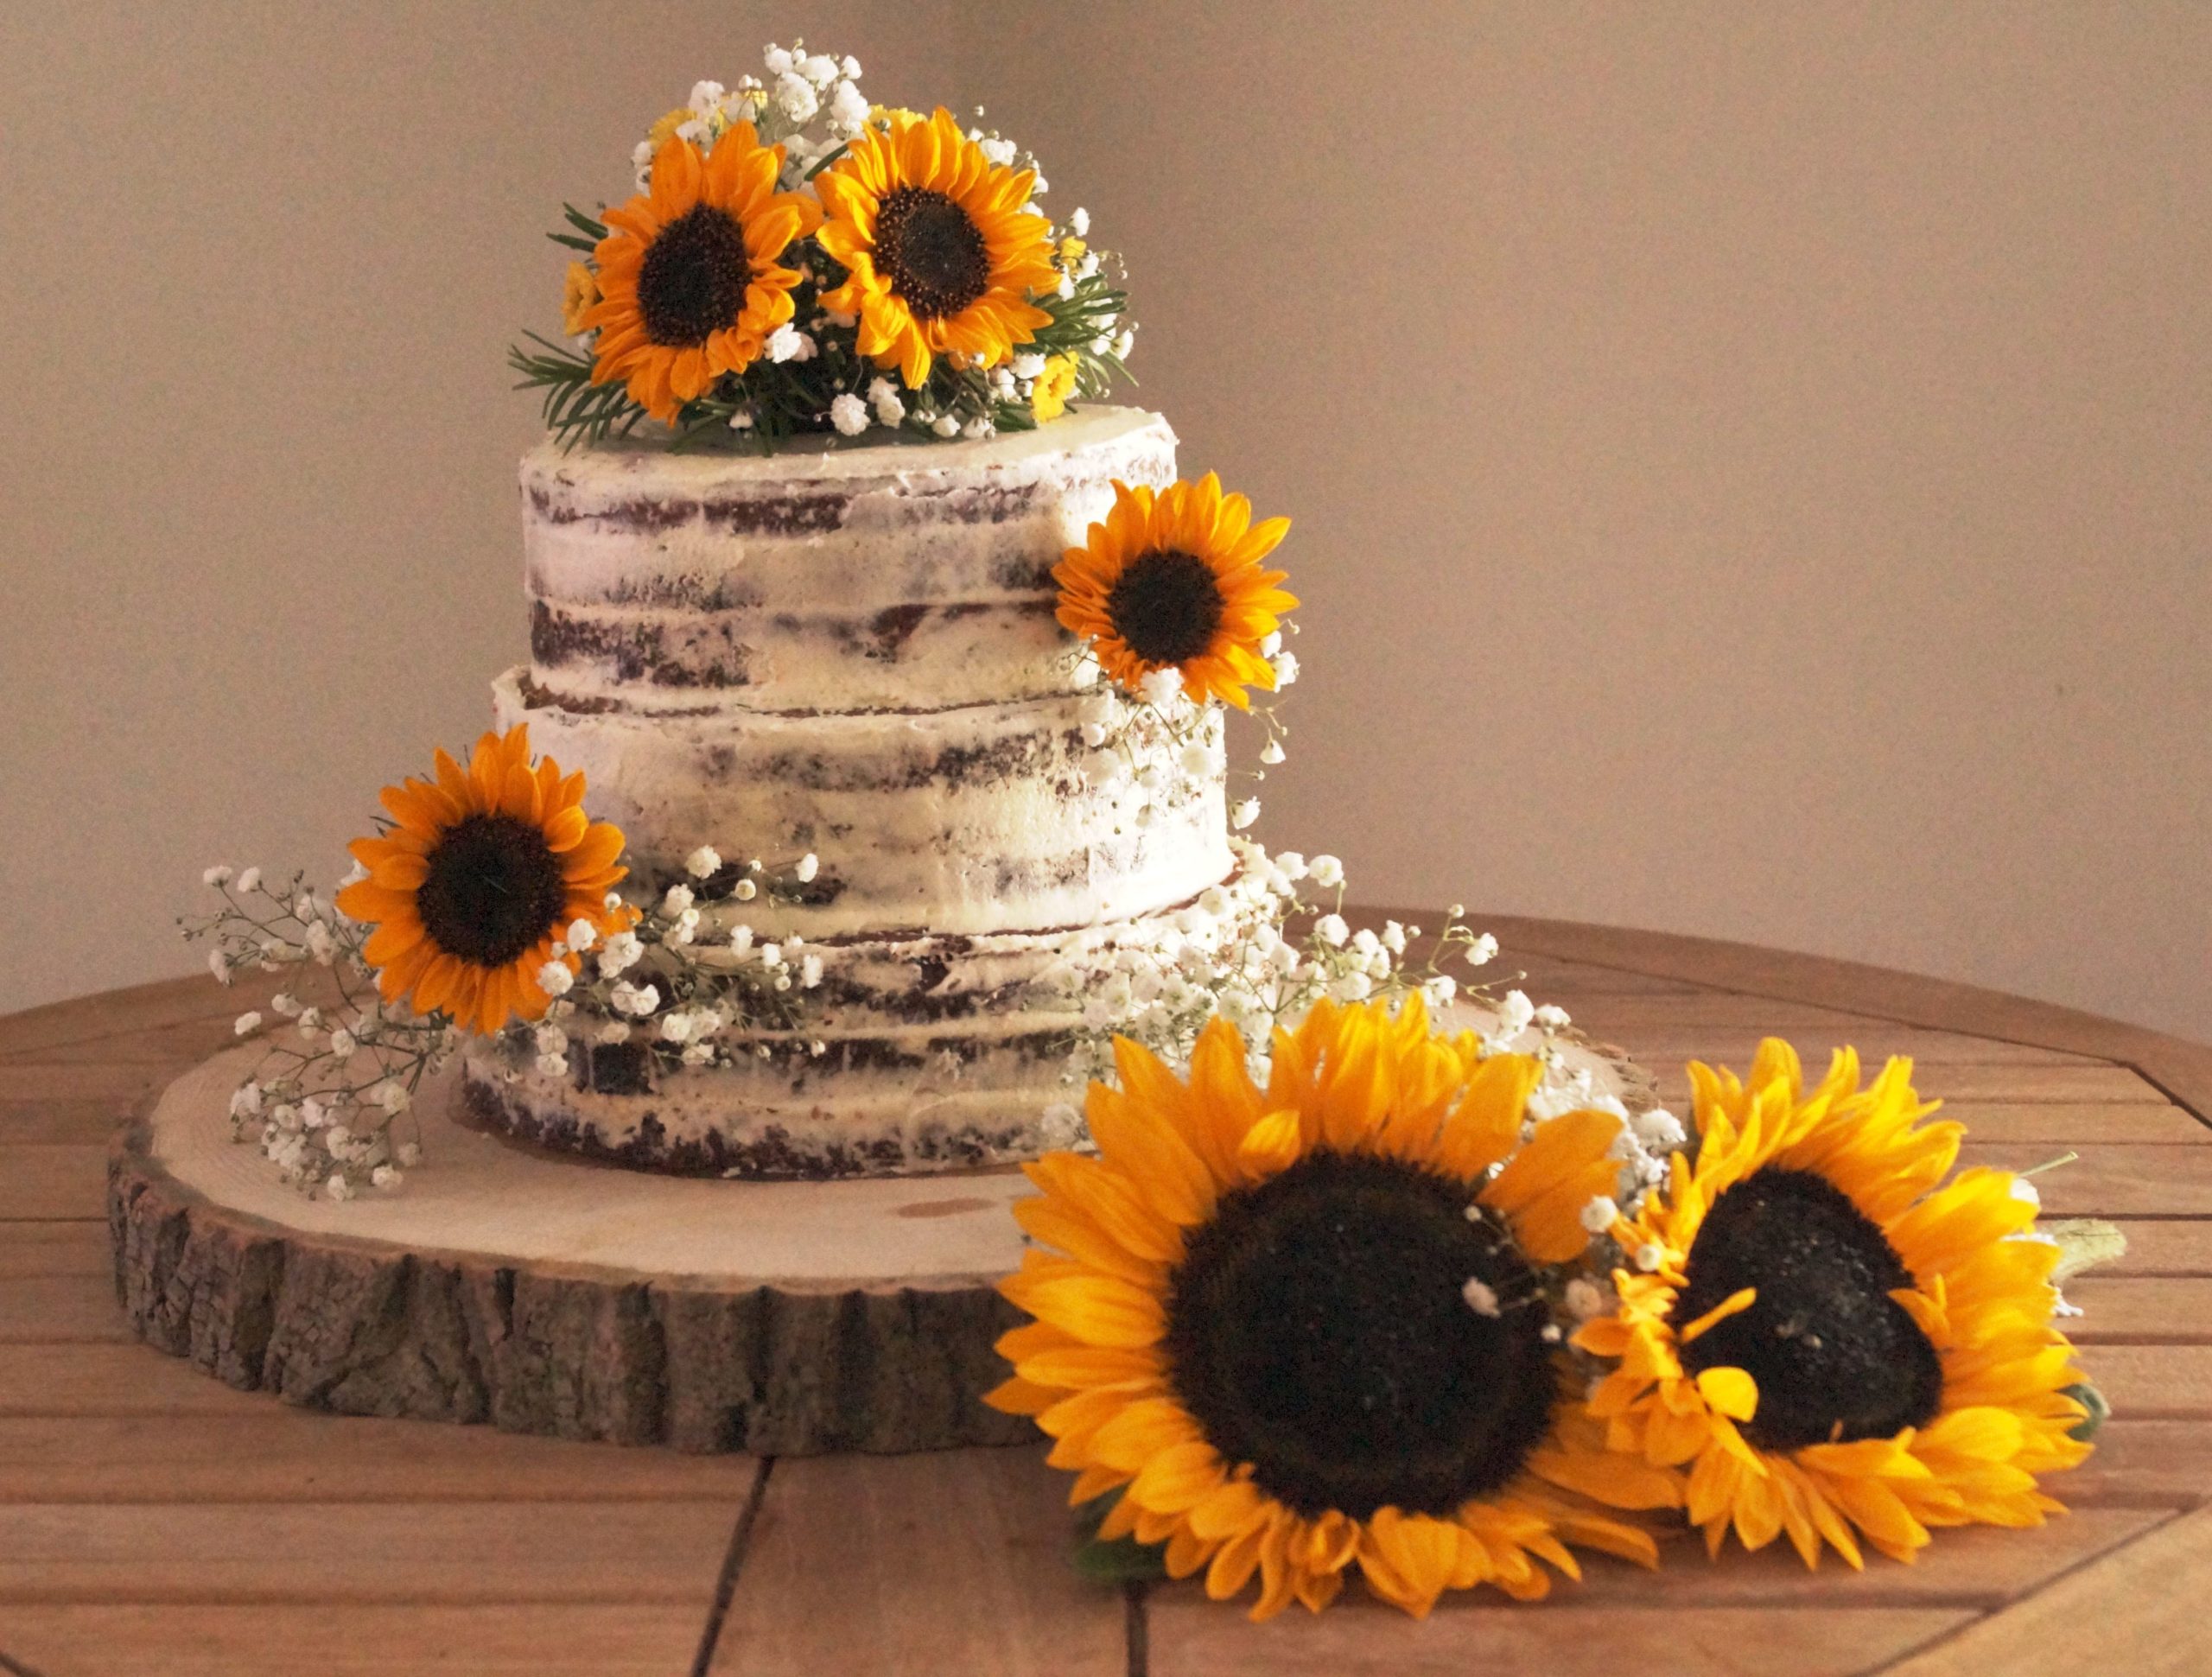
(323, 1101)
(1260, 950)
(657, 989)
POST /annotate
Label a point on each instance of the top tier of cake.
(905, 576)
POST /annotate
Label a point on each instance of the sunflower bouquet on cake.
(797, 260)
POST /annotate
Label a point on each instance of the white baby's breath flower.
(1244, 814)
(1103, 768)
(678, 898)
(796, 98)
(1481, 1297)
(246, 1024)
(1482, 951)
(848, 105)
(613, 1033)
(1285, 668)
(772, 955)
(788, 343)
(1197, 759)
(1659, 1129)
(250, 880)
(1124, 341)
(1326, 871)
(1352, 987)
(384, 1176)
(745, 891)
(1551, 1017)
(1394, 937)
(946, 425)
(740, 940)
(848, 414)
(810, 971)
(778, 59)
(1080, 221)
(1598, 1216)
(1440, 991)
(337, 1187)
(703, 863)
(1027, 364)
(553, 1065)
(219, 964)
(1332, 929)
(884, 398)
(409, 1154)
(676, 1027)
(1291, 865)
(809, 866)
(581, 936)
(342, 1045)
(555, 978)
(1272, 752)
(218, 875)
(1158, 687)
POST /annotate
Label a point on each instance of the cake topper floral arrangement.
(797, 260)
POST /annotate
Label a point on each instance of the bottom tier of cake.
(918, 1053)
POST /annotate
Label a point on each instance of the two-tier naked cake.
(851, 650)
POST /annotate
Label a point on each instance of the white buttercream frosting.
(851, 650)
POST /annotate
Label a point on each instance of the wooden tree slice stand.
(545, 1294)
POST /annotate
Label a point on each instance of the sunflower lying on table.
(1328, 1324)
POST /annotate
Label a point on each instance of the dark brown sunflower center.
(1166, 606)
(931, 252)
(494, 890)
(1836, 1359)
(1319, 1328)
(691, 283)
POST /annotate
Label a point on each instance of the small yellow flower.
(1072, 251)
(665, 131)
(577, 296)
(1048, 395)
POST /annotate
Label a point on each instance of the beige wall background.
(1750, 463)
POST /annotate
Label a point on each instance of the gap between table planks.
(968, 1569)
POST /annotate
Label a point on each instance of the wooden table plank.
(2142, 1463)
(537, 1639)
(56, 1249)
(2134, 1612)
(965, 1569)
(1876, 1040)
(264, 1451)
(2058, 1124)
(2180, 1066)
(2154, 1383)
(420, 1554)
(86, 1123)
(1559, 1639)
(115, 1380)
(2110, 1179)
(28, 1083)
(2013, 1085)
(2163, 1247)
(62, 1310)
(2119, 1309)
(66, 1181)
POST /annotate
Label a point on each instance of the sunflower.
(941, 252)
(1302, 1328)
(689, 284)
(1172, 580)
(1826, 1339)
(472, 885)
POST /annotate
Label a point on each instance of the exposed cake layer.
(889, 575)
(934, 1053)
(973, 819)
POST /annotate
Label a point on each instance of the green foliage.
(1115, 1560)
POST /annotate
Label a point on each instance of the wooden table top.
(153, 1521)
